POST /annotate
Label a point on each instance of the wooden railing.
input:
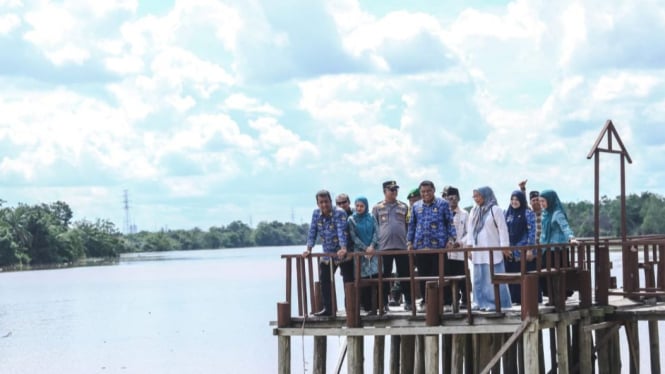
(563, 268)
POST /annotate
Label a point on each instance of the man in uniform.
(330, 224)
(430, 227)
(390, 214)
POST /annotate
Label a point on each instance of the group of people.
(432, 222)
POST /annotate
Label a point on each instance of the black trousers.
(366, 299)
(455, 267)
(402, 262)
(346, 268)
(428, 265)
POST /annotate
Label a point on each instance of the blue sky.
(213, 111)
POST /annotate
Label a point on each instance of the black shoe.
(323, 313)
(407, 307)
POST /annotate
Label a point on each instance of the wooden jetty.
(583, 331)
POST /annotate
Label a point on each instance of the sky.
(207, 112)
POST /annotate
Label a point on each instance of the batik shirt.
(331, 229)
(529, 237)
(431, 225)
(539, 225)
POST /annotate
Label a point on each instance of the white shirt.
(493, 234)
(459, 221)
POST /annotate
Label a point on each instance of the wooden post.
(446, 352)
(419, 356)
(320, 349)
(585, 346)
(395, 343)
(283, 314)
(432, 308)
(458, 348)
(379, 349)
(530, 343)
(562, 347)
(654, 346)
(406, 354)
(509, 358)
(633, 337)
(284, 354)
(352, 309)
(432, 354)
(355, 351)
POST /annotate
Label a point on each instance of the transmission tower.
(129, 226)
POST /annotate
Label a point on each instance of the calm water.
(176, 312)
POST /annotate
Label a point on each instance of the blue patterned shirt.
(331, 229)
(530, 236)
(431, 225)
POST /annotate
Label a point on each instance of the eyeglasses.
(393, 189)
(342, 202)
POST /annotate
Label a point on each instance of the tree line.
(44, 234)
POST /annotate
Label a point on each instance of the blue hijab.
(364, 222)
(516, 218)
(489, 200)
(553, 205)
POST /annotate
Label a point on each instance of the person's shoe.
(421, 307)
(371, 313)
(462, 306)
(407, 307)
(323, 313)
(447, 309)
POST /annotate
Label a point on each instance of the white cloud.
(8, 23)
(624, 85)
(239, 101)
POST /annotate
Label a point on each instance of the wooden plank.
(530, 343)
(654, 346)
(503, 348)
(585, 344)
(406, 359)
(419, 357)
(284, 355)
(562, 348)
(395, 343)
(378, 356)
(458, 348)
(431, 354)
(320, 350)
(355, 359)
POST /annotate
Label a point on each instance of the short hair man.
(330, 224)
(390, 215)
(430, 227)
(343, 202)
(456, 264)
(534, 199)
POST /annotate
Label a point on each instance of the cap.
(533, 194)
(414, 193)
(390, 184)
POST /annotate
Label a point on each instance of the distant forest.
(44, 234)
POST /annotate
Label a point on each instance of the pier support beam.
(284, 354)
(320, 349)
(562, 347)
(531, 350)
(431, 354)
(379, 349)
(355, 351)
(407, 348)
(585, 346)
(395, 344)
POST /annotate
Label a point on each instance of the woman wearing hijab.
(521, 223)
(486, 227)
(363, 229)
(555, 227)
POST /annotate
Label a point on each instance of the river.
(175, 312)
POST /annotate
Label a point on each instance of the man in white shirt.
(455, 264)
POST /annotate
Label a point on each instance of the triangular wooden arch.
(611, 133)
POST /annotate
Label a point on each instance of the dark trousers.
(367, 295)
(346, 268)
(559, 257)
(402, 262)
(455, 267)
(428, 265)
